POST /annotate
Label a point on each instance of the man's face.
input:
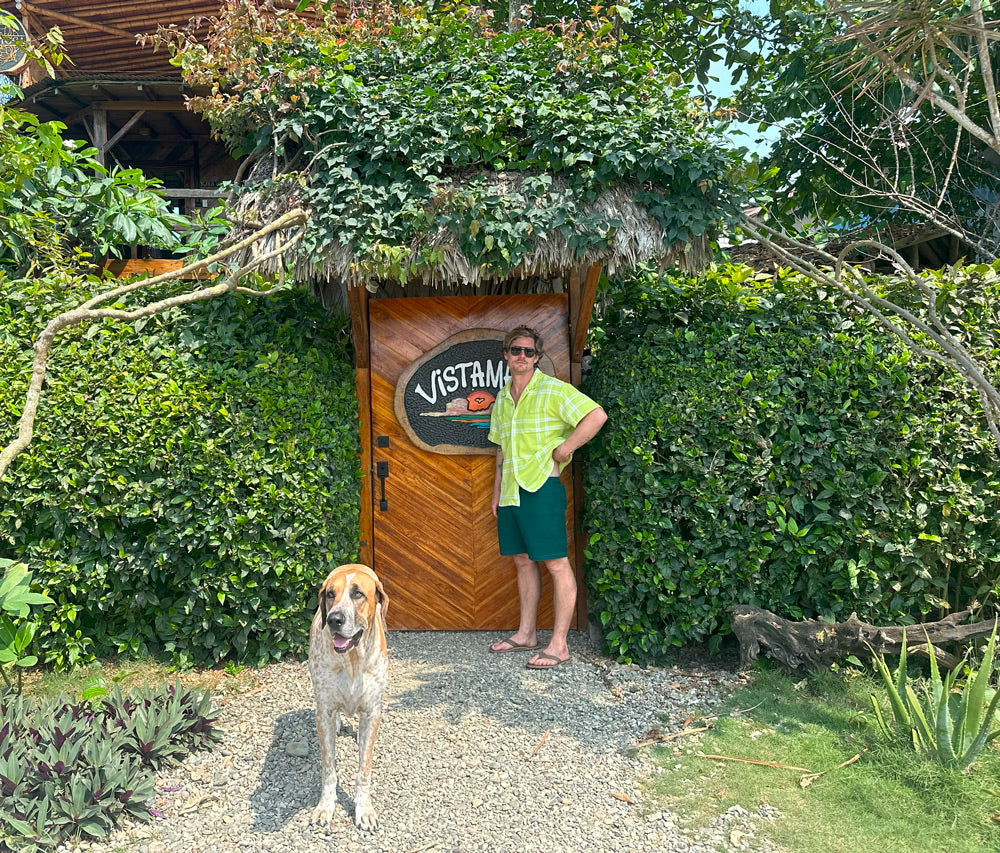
(517, 360)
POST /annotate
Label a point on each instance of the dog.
(348, 666)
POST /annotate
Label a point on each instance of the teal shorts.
(538, 526)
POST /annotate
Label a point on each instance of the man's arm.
(588, 427)
(497, 478)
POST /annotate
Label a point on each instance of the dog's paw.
(365, 819)
(322, 815)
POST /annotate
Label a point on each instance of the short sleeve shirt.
(545, 416)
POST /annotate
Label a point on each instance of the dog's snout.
(335, 619)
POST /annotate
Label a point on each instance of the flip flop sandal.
(545, 656)
(512, 647)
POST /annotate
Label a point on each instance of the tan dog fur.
(348, 665)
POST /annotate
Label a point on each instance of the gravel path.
(476, 754)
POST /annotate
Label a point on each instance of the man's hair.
(523, 332)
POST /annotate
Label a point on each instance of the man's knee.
(559, 566)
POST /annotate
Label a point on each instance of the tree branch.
(89, 312)
(849, 281)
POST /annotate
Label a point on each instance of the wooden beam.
(357, 301)
(581, 305)
(65, 18)
(177, 192)
(574, 290)
(172, 106)
(582, 313)
(125, 107)
(125, 128)
(99, 135)
(150, 267)
(366, 538)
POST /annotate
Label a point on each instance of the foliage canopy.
(405, 124)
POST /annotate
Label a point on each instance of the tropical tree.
(890, 116)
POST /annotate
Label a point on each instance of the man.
(537, 421)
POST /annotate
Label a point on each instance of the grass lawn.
(889, 799)
(223, 682)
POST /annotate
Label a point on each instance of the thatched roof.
(634, 237)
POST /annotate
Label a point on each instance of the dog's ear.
(322, 604)
(383, 599)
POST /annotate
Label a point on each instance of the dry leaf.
(541, 743)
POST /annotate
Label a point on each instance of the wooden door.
(434, 537)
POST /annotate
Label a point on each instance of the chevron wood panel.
(435, 545)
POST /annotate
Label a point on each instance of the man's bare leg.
(529, 591)
(564, 602)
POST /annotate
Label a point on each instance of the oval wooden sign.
(444, 399)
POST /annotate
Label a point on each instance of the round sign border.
(399, 409)
(17, 64)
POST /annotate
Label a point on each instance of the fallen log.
(813, 644)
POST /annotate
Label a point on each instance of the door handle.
(382, 472)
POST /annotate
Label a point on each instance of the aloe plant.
(948, 722)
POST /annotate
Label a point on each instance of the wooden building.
(122, 96)
(426, 353)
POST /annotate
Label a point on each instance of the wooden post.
(100, 133)
(582, 315)
(582, 293)
(357, 299)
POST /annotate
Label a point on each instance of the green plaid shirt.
(544, 417)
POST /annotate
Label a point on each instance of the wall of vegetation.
(191, 481)
(768, 447)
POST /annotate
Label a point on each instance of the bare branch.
(89, 312)
(848, 280)
(986, 65)
(873, 36)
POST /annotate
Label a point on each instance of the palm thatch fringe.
(638, 238)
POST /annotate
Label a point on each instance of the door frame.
(581, 289)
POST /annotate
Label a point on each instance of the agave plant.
(948, 722)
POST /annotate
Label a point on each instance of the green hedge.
(191, 480)
(769, 447)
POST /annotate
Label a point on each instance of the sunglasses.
(529, 352)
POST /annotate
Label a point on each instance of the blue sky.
(744, 133)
